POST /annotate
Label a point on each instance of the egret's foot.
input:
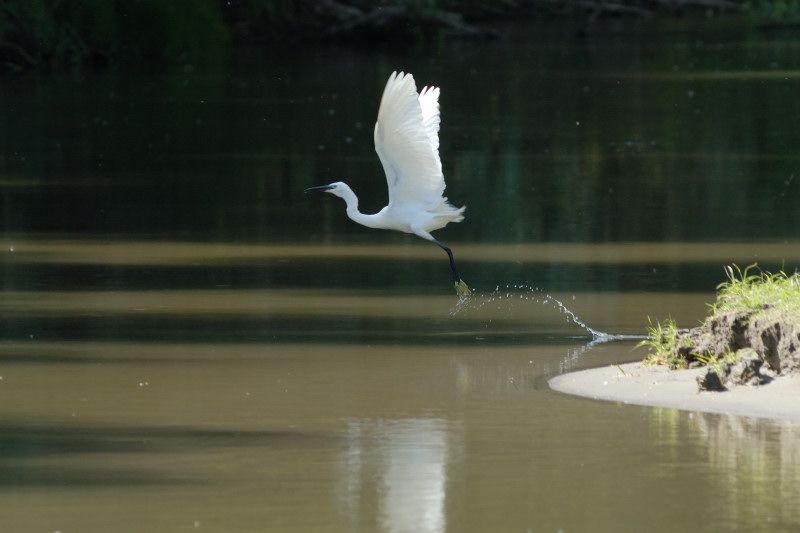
(462, 289)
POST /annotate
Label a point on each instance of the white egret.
(407, 142)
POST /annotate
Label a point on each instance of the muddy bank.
(743, 363)
(742, 348)
(636, 384)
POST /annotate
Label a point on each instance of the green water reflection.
(618, 139)
(750, 466)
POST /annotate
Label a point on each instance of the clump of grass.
(746, 291)
(717, 363)
(750, 290)
(662, 340)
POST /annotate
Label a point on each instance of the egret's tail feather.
(446, 212)
(462, 290)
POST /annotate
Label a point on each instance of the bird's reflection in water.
(394, 474)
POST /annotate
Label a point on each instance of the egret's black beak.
(319, 188)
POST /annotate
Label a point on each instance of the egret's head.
(338, 188)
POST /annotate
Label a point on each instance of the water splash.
(510, 293)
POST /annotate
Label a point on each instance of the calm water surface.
(189, 343)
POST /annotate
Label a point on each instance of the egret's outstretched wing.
(429, 104)
(407, 142)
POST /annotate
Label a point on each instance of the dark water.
(189, 342)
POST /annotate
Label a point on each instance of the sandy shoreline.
(660, 387)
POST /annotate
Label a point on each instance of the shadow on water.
(71, 455)
(354, 329)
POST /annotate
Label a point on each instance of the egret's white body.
(407, 142)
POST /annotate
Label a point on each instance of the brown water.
(331, 410)
(188, 343)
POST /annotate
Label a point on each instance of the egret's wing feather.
(407, 142)
(429, 104)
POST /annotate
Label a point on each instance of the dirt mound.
(743, 347)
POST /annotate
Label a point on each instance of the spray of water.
(530, 294)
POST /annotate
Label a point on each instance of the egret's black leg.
(456, 276)
(462, 289)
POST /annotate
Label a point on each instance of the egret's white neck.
(350, 198)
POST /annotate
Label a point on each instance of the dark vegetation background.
(69, 34)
